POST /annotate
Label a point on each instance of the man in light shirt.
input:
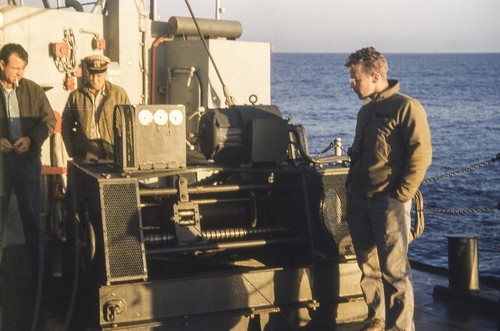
(26, 121)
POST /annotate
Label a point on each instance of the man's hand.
(5, 146)
(22, 145)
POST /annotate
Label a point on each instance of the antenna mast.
(218, 9)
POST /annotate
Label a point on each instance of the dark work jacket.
(37, 117)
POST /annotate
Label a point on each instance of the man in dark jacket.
(389, 157)
(87, 127)
(26, 121)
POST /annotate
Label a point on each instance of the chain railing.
(463, 170)
(456, 173)
(337, 144)
(461, 211)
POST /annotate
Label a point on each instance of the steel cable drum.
(243, 135)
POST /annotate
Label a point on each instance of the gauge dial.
(145, 117)
(176, 117)
(161, 117)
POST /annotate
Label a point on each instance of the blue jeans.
(380, 231)
(22, 174)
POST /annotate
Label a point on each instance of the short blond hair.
(372, 60)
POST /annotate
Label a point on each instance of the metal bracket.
(112, 309)
(186, 216)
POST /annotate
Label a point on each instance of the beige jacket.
(77, 119)
(392, 146)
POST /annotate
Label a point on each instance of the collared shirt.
(13, 113)
(97, 109)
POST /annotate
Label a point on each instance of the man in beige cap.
(87, 127)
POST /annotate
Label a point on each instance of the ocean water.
(460, 93)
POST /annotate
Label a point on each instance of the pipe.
(153, 12)
(142, 29)
(74, 4)
(154, 50)
(220, 246)
(145, 94)
(206, 189)
(185, 26)
(217, 9)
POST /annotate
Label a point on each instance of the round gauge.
(176, 117)
(145, 117)
(161, 117)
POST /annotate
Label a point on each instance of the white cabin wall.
(123, 43)
(36, 29)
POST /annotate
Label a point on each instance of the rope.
(418, 228)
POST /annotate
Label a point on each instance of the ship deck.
(440, 309)
(436, 307)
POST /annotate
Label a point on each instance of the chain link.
(456, 173)
(460, 211)
(435, 178)
(462, 171)
(333, 144)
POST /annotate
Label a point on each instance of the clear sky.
(347, 25)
